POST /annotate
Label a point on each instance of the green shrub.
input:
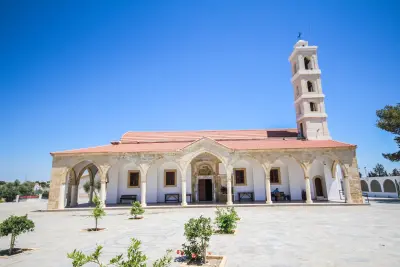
(198, 233)
(136, 209)
(15, 225)
(134, 257)
(98, 211)
(226, 220)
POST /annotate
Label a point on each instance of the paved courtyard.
(267, 236)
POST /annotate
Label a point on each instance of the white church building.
(221, 166)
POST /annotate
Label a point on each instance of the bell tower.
(308, 97)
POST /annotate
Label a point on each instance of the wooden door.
(202, 190)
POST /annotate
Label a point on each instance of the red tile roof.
(232, 139)
(134, 137)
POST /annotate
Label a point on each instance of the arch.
(80, 194)
(375, 186)
(319, 189)
(307, 63)
(388, 186)
(313, 107)
(310, 87)
(198, 153)
(364, 186)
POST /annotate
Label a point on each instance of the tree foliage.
(378, 171)
(389, 120)
(98, 211)
(226, 219)
(134, 258)
(395, 172)
(14, 226)
(136, 209)
(10, 190)
(198, 233)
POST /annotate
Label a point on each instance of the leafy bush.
(10, 190)
(86, 187)
(136, 209)
(98, 211)
(15, 225)
(226, 219)
(198, 233)
(134, 258)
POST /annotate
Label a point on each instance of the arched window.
(313, 106)
(388, 186)
(310, 86)
(364, 186)
(297, 90)
(375, 186)
(307, 63)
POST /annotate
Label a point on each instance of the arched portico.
(74, 181)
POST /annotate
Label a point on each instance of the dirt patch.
(211, 261)
(219, 232)
(137, 218)
(93, 229)
(15, 252)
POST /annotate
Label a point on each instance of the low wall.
(381, 194)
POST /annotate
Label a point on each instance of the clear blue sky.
(76, 74)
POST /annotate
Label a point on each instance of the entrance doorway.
(319, 191)
(205, 190)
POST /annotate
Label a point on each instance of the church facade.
(220, 166)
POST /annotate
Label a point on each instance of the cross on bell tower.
(309, 102)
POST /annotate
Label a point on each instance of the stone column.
(229, 187)
(268, 189)
(347, 193)
(91, 194)
(308, 190)
(183, 187)
(61, 197)
(74, 196)
(214, 189)
(103, 193)
(143, 193)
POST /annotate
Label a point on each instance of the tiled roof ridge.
(196, 139)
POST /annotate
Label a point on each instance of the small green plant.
(136, 209)
(14, 226)
(226, 220)
(164, 261)
(98, 211)
(198, 233)
(134, 257)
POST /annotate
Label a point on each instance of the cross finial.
(299, 36)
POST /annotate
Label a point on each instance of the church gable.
(206, 144)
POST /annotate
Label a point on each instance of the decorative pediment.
(205, 143)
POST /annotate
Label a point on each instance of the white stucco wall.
(284, 185)
(317, 169)
(297, 183)
(333, 183)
